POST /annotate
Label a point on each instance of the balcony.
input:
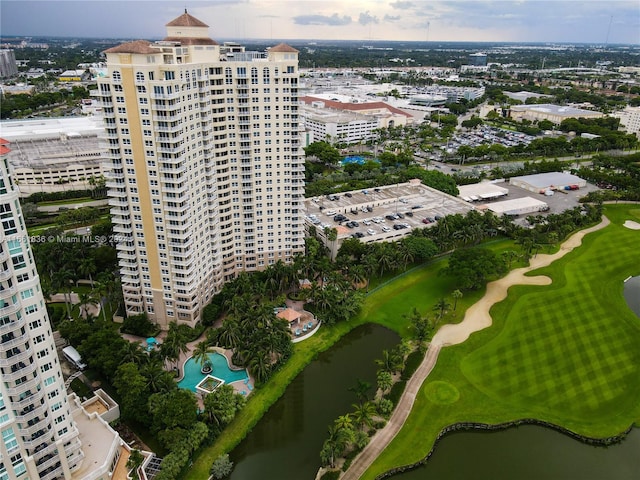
(8, 292)
(12, 325)
(8, 310)
(23, 387)
(29, 413)
(122, 229)
(30, 400)
(114, 202)
(169, 128)
(28, 369)
(174, 150)
(130, 280)
(165, 96)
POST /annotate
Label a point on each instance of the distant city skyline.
(566, 21)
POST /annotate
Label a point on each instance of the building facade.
(207, 172)
(630, 120)
(55, 154)
(8, 65)
(39, 437)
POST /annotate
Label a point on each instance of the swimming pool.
(359, 159)
(193, 376)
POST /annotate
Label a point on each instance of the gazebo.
(290, 315)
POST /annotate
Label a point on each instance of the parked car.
(371, 231)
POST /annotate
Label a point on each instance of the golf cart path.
(476, 318)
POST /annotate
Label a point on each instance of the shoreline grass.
(567, 354)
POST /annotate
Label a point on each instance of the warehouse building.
(518, 206)
(542, 182)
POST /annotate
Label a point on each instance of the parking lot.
(488, 135)
(384, 213)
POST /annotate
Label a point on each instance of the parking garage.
(385, 213)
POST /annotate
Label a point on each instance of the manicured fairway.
(568, 353)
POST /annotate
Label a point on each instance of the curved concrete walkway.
(476, 318)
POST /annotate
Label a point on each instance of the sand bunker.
(632, 225)
(477, 316)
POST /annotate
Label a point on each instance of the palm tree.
(229, 333)
(335, 445)
(344, 422)
(457, 295)
(260, 366)
(60, 281)
(361, 389)
(85, 299)
(363, 414)
(132, 353)
(441, 307)
(87, 267)
(200, 354)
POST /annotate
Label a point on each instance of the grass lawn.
(387, 305)
(568, 353)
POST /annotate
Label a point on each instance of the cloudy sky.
(588, 21)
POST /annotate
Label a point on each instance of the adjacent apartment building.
(207, 169)
(39, 437)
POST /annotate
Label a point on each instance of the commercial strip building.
(207, 176)
(349, 122)
(46, 434)
(55, 154)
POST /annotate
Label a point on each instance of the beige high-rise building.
(207, 173)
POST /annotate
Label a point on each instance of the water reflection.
(286, 443)
(528, 453)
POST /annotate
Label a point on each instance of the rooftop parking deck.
(381, 214)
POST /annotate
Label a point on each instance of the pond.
(527, 452)
(286, 442)
(632, 294)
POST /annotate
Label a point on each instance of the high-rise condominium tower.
(39, 438)
(207, 176)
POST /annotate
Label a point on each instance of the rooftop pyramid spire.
(186, 20)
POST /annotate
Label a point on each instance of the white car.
(367, 222)
(385, 228)
(330, 212)
(371, 231)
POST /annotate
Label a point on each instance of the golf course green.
(567, 354)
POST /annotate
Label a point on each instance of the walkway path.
(476, 318)
(93, 309)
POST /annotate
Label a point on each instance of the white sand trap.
(632, 225)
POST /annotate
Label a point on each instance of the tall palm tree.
(85, 299)
(456, 295)
(87, 267)
(200, 353)
(61, 282)
(441, 307)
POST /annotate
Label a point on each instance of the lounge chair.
(249, 386)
